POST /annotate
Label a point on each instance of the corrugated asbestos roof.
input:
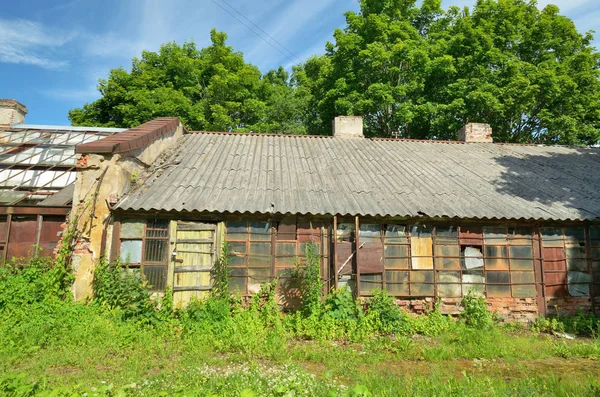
(241, 173)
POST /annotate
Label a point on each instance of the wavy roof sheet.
(242, 173)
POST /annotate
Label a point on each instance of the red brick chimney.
(11, 112)
(475, 132)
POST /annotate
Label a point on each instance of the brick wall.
(475, 132)
(569, 305)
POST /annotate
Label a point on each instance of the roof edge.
(132, 138)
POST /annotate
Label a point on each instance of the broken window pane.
(472, 258)
(552, 237)
(132, 228)
(396, 233)
(345, 232)
(579, 283)
(131, 251)
(260, 231)
(521, 251)
(575, 235)
(369, 232)
(494, 235)
(496, 257)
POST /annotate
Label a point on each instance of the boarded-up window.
(421, 246)
(145, 245)
(370, 259)
(22, 236)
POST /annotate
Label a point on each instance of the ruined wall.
(568, 305)
(103, 178)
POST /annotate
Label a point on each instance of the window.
(564, 253)
(145, 245)
(262, 250)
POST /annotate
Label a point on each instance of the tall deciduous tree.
(208, 89)
(420, 72)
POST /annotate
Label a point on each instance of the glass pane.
(157, 228)
(576, 260)
(473, 277)
(370, 282)
(286, 248)
(237, 236)
(521, 264)
(237, 284)
(237, 248)
(552, 237)
(288, 261)
(497, 277)
(236, 227)
(477, 289)
(448, 277)
(521, 251)
(595, 254)
(260, 231)
(421, 277)
(450, 290)
(397, 283)
(595, 235)
(397, 231)
(494, 235)
(523, 291)
(498, 290)
(156, 250)
(131, 251)
(395, 251)
(238, 261)
(156, 276)
(522, 277)
(575, 235)
(259, 261)
(260, 248)
(421, 289)
(520, 236)
(396, 263)
(496, 257)
(132, 228)
(259, 275)
(447, 256)
(446, 234)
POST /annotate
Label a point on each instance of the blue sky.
(52, 52)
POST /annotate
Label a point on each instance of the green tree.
(208, 89)
(421, 72)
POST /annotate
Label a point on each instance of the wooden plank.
(34, 210)
(196, 252)
(187, 269)
(192, 288)
(196, 226)
(196, 241)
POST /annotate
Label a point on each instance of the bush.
(475, 313)
(384, 313)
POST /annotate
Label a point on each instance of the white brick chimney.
(475, 132)
(348, 127)
(11, 112)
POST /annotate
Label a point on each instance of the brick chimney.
(11, 112)
(475, 132)
(348, 127)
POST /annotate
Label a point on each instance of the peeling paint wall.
(101, 180)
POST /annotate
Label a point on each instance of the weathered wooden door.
(195, 255)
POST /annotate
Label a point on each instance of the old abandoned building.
(422, 219)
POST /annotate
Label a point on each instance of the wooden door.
(195, 254)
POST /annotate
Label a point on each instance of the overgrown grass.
(122, 343)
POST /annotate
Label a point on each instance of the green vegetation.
(411, 69)
(122, 343)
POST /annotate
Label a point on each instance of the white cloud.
(28, 42)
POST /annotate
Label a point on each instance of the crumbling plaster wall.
(102, 179)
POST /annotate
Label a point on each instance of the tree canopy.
(410, 71)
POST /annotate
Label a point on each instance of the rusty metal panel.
(471, 235)
(343, 251)
(22, 237)
(49, 235)
(286, 230)
(554, 259)
(3, 226)
(371, 257)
